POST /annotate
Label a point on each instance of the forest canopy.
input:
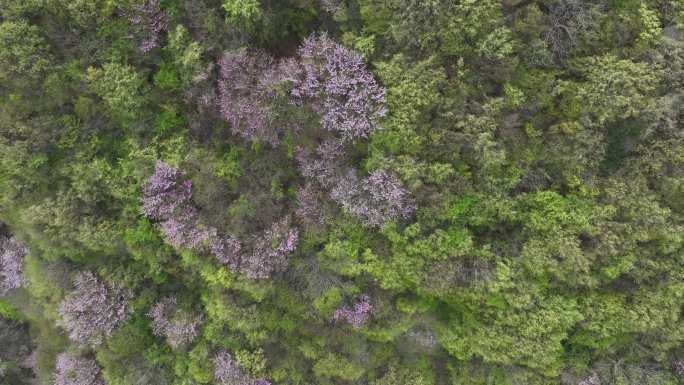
(340, 192)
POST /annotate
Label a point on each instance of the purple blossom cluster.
(166, 198)
(331, 6)
(179, 328)
(309, 206)
(166, 194)
(12, 255)
(228, 372)
(325, 168)
(226, 249)
(357, 315)
(334, 81)
(328, 76)
(340, 89)
(376, 199)
(94, 310)
(270, 251)
(678, 367)
(246, 89)
(149, 22)
(591, 380)
(71, 370)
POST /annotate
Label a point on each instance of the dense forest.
(339, 192)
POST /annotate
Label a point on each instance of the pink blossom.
(94, 310)
(357, 315)
(247, 92)
(335, 80)
(270, 251)
(179, 327)
(309, 204)
(12, 255)
(227, 249)
(149, 21)
(591, 380)
(166, 197)
(72, 370)
(228, 372)
(376, 199)
(679, 367)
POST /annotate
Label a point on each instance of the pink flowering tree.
(247, 95)
(72, 370)
(376, 199)
(267, 254)
(148, 22)
(226, 249)
(166, 193)
(591, 380)
(339, 87)
(228, 372)
(166, 198)
(326, 166)
(678, 367)
(331, 6)
(357, 315)
(94, 309)
(270, 251)
(309, 204)
(179, 327)
(12, 255)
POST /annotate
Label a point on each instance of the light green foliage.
(651, 29)
(84, 12)
(335, 366)
(186, 53)
(243, 13)
(199, 364)
(23, 51)
(401, 376)
(252, 361)
(328, 302)
(614, 89)
(412, 93)
(119, 86)
(531, 336)
(464, 28)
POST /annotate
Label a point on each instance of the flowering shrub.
(326, 167)
(94, 310)
(148, 21)
(376, 199)
(166, 197)
(340, 88)
(179, 327)
(228, 372)
(165, 194)
(331, 6)
(357, 315)
(246, 90)
(270, 252)
(679, 368)
(591, 380)
(309, 204)
(12, 255)
(71, 370)
(227, 249)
